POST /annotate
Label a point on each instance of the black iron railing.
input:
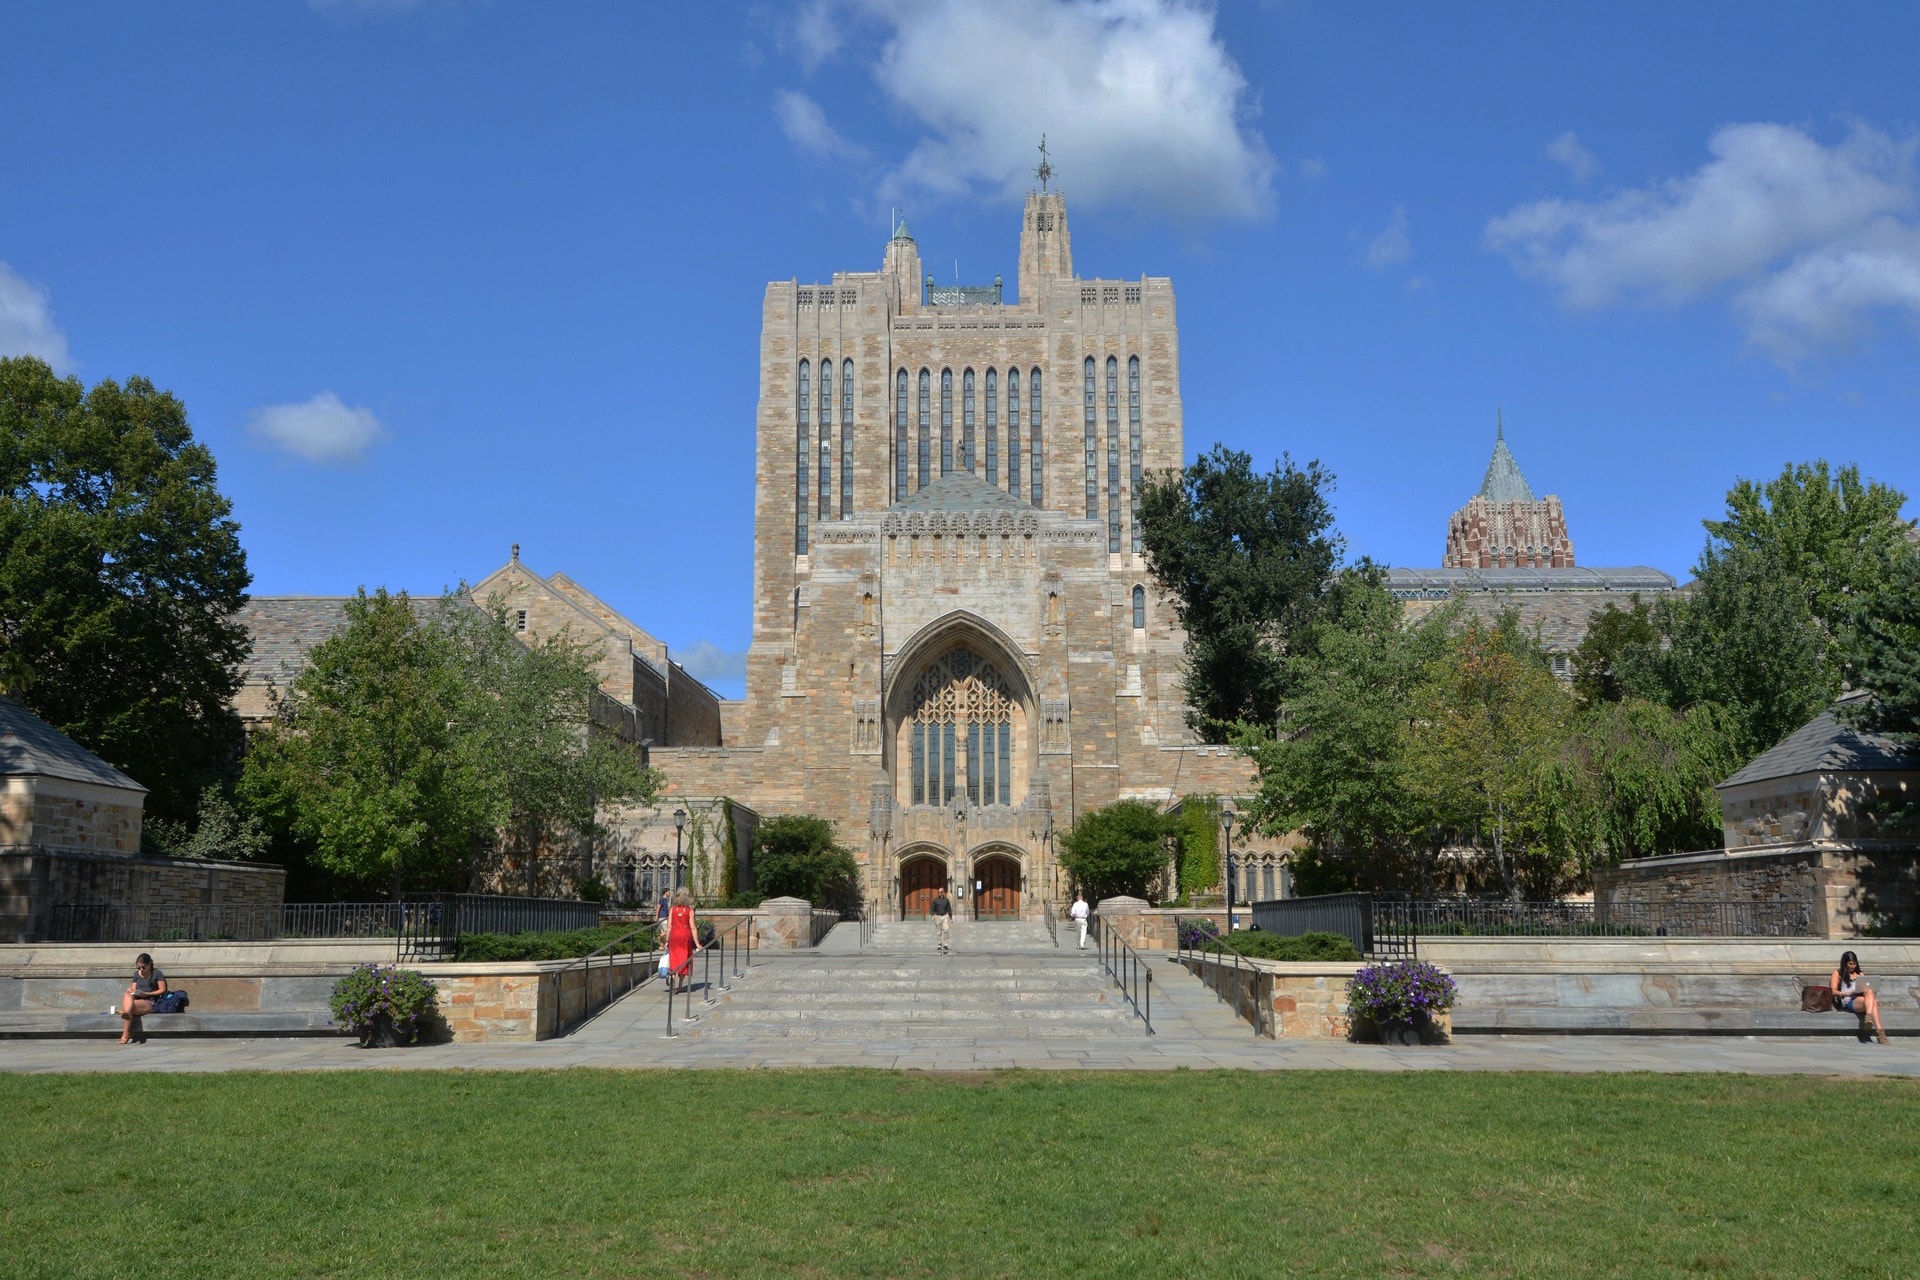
(822, 925)
(1201, 943)
(734, 941)
(1678, 918)
(1046, 913)
(1128, 971)
(1354, 916)
(431, 924)
(869, 921)
(630, 946)
(217, 922)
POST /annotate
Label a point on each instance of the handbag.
(1816, 1000)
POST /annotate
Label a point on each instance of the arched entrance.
(920, 878)
(996, 894)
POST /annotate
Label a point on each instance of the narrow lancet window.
(1113, 456)
(1035, 444)
(966, 419)
(900, 436)
(846, 439)
(991, 427)
(823, 480)
(1139, 608)
(1092, 425)
(946, 422)
(1133, 448)
(926, 459)
(804, 440)
(1014, 460)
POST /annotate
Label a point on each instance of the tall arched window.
(900, 435)
(1133, 446)
(804, 443)
(1113, 455)
(1013, 433)
(824, 476)
(1034, 443)
(846, 439)
(946, 422)
(990, 428)
(1139, 608)
(959, 732)
(966, 418)
(926, 392)
(1092, 424)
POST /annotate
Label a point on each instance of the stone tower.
(1504, 526)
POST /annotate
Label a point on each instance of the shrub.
(593, 889)
(1307, 946)
(1404, 992)
(1118, 848)
(404, 995)
(795, 855)
(487, 947)
(1194, 933)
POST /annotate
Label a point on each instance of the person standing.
(1080, 911)
(149, 984)
(941, 913)
(681, 942)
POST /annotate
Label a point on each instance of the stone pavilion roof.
(1827, 744)
(962, 491)
(29, 746)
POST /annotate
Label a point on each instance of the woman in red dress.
(681, 942)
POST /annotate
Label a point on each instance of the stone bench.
(66, 1024)
(1670, 1020)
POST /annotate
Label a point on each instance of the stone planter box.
(1436, 1030)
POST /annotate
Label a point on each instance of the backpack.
(171, 1002)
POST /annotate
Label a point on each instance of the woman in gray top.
(148, 985)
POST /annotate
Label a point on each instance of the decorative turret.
(903, 265)
(1504, 526)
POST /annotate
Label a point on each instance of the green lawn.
(707, 1173)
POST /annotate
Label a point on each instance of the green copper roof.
(900, 232)
(1504, 483)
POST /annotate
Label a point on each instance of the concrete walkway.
(1194, 1030)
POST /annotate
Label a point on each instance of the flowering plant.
(403, 996)
(1197, 933)
(1405, 992)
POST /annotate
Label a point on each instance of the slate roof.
(1504, 483)
(31, 746)
(962, 491)
(1825, 744)
(285, 629)
(1416, 584)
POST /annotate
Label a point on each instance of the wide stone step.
(980, 1014)
(68, 1025)
(886, 1034)
(1655, 1020)
(914, 999)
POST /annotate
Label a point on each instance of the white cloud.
(1141, 104)
(1580, 162)
(319, 430)
(1807, 241)
(805, 125)
(710, 663)
(1393, 244)
(817, 32)
(1311, 169)
(26, 322)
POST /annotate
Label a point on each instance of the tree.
(1888, 644)
(1336, 770)
(120, 576)
(364, 758)
(1247, 560)
(797, 856)
(1117, 848)
(1645, 775)
(1490, 721)
(220, 832)
(1615, 636)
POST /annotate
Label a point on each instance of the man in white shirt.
(1079, 912)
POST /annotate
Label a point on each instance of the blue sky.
(436, 277)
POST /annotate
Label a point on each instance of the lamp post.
(679, 825)
(1226, 819)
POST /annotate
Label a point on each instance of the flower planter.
(1423, 1031)
(379, 1032)
(1405, 1002)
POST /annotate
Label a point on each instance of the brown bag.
(1816, 999)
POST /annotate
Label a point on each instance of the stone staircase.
(1003, 981)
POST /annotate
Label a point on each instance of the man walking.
(941, 913)
(1079, 912)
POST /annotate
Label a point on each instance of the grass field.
(601, 1174)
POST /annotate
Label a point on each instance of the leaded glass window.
(900, 436)
(926, 385)
(804, 441)
(1139, 608)
(966, 418)
(946, 422)
(824, 477)
(960, 732)
(1035, 445)
(991, 427)
(1013, 432)
(1113, 456)
(1092, 424)
(1133, 447)
(846, 439)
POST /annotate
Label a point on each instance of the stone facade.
(957, 647)
(136, 889)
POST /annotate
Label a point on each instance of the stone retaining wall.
(32, 881)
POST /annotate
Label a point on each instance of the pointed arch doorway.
(996, 894)
(921, 878)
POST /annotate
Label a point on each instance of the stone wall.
(1285, 1000)
(1815, 807)
(1854, 890)
(30, 883)
(1146, 928)
(58, 814)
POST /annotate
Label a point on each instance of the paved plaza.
(1005, 999)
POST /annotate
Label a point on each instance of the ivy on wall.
(1199, 829)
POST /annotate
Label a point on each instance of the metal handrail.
(1208, 944)
(724, 941)
(560, 1027)
(1046, 913)
(867, 925)
(1128, 971)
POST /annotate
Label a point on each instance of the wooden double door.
(920, 880)
(996, 894)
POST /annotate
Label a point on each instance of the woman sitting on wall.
(1851, 994)
(142, 996)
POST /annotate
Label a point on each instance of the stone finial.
(516, 553)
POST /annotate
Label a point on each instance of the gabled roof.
(962, 491)
(1826, 744)
(29, 746)
(1504, 483)
(285, 629)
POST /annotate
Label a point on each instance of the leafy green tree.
(1888, 644)
(1337, 770)
(365, 759)
(1117, 848)
(1615, 636)
(798, 856)
(1645, 776)
(1247, 560)
(120, 575)
(1490, 722)
(220, 832)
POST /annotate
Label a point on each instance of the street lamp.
(679, 825)
(1226, 819)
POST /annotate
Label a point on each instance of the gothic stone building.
(957, 647)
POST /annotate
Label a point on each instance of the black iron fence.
(1128, 971)
(1354, 916)
(222, 922)
(821, 925)
(431, 925)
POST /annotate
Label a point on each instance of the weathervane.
(1043, 170)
